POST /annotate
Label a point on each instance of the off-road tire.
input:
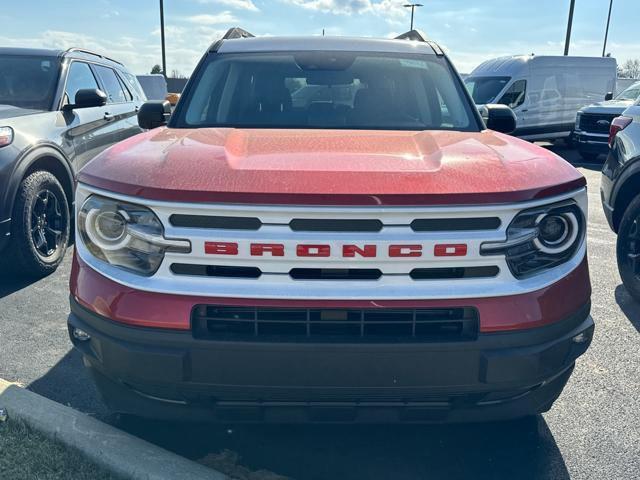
(25, 255)
(628, 245)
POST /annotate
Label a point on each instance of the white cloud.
(247, 5)
(339, 7)
(208, 19)
(392, 11)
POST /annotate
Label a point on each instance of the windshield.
(485, 89)
(28, 81)
(631, 93)
(331, 90)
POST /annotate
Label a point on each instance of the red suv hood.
(330, 167)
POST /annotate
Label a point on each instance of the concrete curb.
(114, 450)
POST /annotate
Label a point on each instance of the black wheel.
(628, 248)
(589, 156)
(40, 226)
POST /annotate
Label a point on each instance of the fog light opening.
(81, 335)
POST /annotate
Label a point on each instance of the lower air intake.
(334, 325)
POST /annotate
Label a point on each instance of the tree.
(629, 69)
(156, 69)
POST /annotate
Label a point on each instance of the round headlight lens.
(556, 232)
(107, 229)
(112, 226)
(553, 230)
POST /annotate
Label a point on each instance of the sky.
(471, 31)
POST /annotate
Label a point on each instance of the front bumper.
(172, 375)
(592, 143)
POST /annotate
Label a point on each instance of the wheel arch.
(47, 158)
(624, 195)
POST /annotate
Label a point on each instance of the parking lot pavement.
(593, 431)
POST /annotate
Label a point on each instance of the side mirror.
(88, 98)
(154, 114)
(608, 96)
(499, 118)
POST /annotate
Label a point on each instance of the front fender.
(17, 170)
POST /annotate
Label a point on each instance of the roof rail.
(237, 32)
(413, 35)
(89, 52)
(232, 33)
(419, 36)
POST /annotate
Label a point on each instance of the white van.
(154, 86)
(545, 92)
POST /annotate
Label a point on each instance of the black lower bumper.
(172, 375)
(590, 144)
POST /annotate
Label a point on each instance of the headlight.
(577, 126)
(125, 235)
(541, 238)
(6, 136)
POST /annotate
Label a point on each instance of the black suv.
(58, 109)
(620, 193)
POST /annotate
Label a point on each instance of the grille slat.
(335, 274)
(455, 224)
(215, 271)
(334, 225)
(453, 273)
(215, 222)
(335, 325)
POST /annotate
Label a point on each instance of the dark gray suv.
(58, 109)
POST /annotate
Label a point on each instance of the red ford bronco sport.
(326, 230)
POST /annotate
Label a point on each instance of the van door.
(545, 111)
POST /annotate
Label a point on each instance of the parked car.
(58, 109)
(545, 92)
(620, 193)
(594, 121)
(378, 258)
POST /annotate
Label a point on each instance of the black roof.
(38, 52)
(78, 53)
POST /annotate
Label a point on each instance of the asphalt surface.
(592, 432)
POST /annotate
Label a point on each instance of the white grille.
(275, 281)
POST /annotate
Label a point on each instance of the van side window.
(80, 77)
(514, 97)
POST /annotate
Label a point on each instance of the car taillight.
(617, 125)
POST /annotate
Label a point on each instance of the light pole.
(569, 24)
(606, 33)
(164, 54)
(412, 6)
